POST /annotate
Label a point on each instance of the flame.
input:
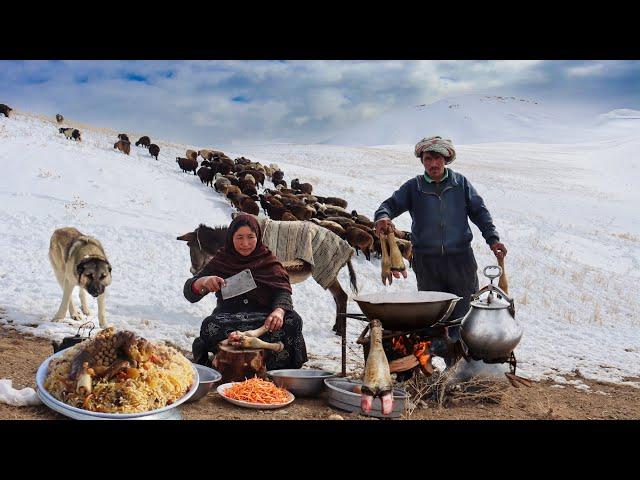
(400, 344)
(421, 351)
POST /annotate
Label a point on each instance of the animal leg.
(73, 313)
(102, 313)
(64, 304)
(83, 302)
(341, 298)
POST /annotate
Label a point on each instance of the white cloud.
(594, 69)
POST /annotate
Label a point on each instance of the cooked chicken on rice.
(119, 372)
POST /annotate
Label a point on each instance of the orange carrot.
(256, 390)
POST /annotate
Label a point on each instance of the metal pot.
(489, 330)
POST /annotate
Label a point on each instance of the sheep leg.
(340, 298)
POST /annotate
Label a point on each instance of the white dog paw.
(57, 319)
(86, 311)
(76, 316)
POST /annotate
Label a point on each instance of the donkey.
(204, 242)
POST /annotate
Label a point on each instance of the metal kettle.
(489, 330)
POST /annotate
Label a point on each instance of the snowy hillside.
(567, 213)
(471, 119)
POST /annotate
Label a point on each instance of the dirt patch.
(20, 356)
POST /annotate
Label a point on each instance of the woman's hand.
(275, 320)
(211, 283)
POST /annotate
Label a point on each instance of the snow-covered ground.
(567, 213)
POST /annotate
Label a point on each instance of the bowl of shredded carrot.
(255, 393)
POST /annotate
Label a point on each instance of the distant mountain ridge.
(469, 119)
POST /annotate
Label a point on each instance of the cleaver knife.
(238, 284)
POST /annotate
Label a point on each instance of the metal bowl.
(407, 310)
(342, 396)
(305, 382)
(170, 412)
(208, 378)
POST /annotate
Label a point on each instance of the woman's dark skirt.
(217, 327)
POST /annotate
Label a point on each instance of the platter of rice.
(117, 375)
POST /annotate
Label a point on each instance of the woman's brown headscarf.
(266, 269)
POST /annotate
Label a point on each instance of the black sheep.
(144, 141)
(154, 150)
(5, 109)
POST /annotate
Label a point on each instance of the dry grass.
(443, 390)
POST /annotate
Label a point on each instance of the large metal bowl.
(170, 412)
(407, 310)
(208, 378)
(305, 382)
(343, 394)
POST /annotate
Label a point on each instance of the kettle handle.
(489, 276)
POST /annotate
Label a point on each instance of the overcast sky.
(215, 103)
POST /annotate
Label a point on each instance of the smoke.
(465, 370)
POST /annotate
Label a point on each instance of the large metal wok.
(407, 310)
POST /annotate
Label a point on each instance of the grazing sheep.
(71, 133)
(342, 221)
(232, 190)
(123, 146)
(333, 211)
(333, 226)
(5, 109)
(206, 175)
(187, 164)
(223, 168)
(221, 184)
(144, 141)
(248, 205)
(360, 240)
(303, 187)
(256, 174)
(154, 150)
(123, 136)
(205, 154)
(361, 219)
(277, 183)
(338, 202)
(288, 217)
(302, 213)
(59, 118)
(192, 154)
(249, 190)
(277, 176)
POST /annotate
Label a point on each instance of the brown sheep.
(192, 154)
(360, 240)
(338, 202)
(249, 190)
(302, 213)
(248, 205)
(344, 222)
(206, 154)
(364, 228)
(59, 118)
(233, 179)
(257, 175)
(144, 141)
(232, 189)
(154, 150)
(333, 211)
(187, 165)
(206, 175)
(123, 146)
(303, 187)
(5, 109)
(361, 219)
(288, 217)
(333, 226)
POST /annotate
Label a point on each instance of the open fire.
(414, 345)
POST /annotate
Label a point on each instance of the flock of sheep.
(240, 179)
